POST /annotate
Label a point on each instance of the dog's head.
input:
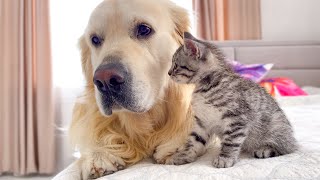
(127, 49)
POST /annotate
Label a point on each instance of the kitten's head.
(194, 59)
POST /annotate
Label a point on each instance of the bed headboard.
(299, 61)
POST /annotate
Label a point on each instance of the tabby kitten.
(240, 112)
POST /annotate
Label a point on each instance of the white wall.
(65, 99)
(290, 19)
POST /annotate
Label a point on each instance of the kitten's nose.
(170, 72)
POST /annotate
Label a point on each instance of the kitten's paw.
(223, 162)
(97, 165)
(265, 152)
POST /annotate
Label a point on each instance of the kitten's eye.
(96, 40)
(175, 66)
(184, 67)
(143, 31)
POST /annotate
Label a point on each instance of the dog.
(130, 108)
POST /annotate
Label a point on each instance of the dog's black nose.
(109, 77)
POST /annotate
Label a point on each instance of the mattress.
(304, 115)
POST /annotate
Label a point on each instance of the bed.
(298, 60)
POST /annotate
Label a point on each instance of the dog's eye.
(143, 31)
(96, 41)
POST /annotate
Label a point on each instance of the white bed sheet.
(304, 114)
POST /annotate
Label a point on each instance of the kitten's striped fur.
(240, 112)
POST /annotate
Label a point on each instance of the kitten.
(243, 115)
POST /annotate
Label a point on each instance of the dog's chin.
(109, 106)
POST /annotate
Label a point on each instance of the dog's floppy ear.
(181, 21)
(86, 60)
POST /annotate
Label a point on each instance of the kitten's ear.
(191, 48)
(188, 35)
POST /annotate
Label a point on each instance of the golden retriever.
(130, 108)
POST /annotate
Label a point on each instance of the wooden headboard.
(299, 61)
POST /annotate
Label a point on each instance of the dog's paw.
(97, 165)
(265, 152)
(182, 157)
(164, 152)
(185, 153)
(161, 156)
(223, 162)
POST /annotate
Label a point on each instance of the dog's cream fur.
(126, 137)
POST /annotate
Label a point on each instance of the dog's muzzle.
(110, 77)
(114, 83)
